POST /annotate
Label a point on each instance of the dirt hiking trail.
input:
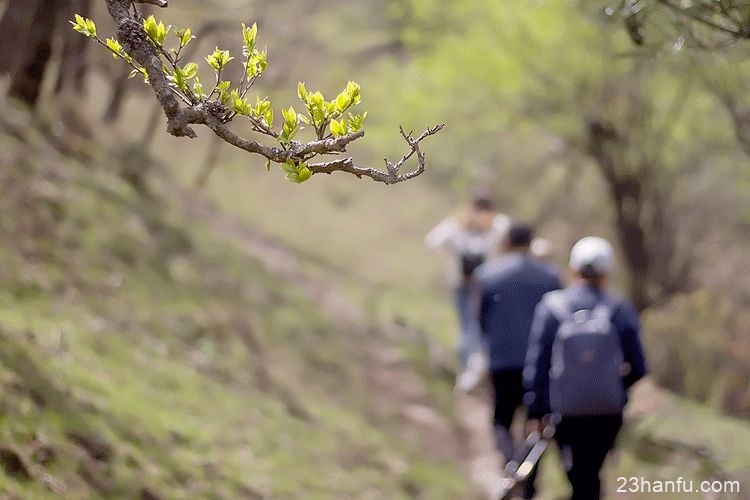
(398, 392)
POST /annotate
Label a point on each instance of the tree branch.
(213, 115)
(392, 176)
(134, 40)
(738, 33)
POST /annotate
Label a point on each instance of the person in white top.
(470, 239)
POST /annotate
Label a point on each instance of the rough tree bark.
(121, 84)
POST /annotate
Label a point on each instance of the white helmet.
(592, 255)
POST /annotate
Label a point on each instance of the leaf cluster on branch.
(146, 45)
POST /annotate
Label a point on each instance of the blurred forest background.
(176, 322)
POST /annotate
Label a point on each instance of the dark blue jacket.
(510, 288)
(544, 329)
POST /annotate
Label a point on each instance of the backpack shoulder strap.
(558, 305)
(608, 305)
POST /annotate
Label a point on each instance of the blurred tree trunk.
(119, 90)
(35, 52)
(31, 32)
(73, 48)
(16, 21)
(739, 112)
(741, 118)
(625, 191)
(642, 218)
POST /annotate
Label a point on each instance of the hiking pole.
(518, 472)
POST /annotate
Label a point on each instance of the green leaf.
(343, 101)
(198, 88)
(257, 64)
(91, 27)
(316, 105)
(338, 128)
(353, 90)
(157, 32)
(290, 116)
(287, 134)
(79, 21)
(84, 26)
(248, 37)
(357, 121)
(291, 122)
(296, 173)
(239, 105)
(190, 70)
(262, 106)
(289, 167)
(142, 71)
(301, 91)
(151, 28)
(177, 78)
(213, 62)
(268, 116)
(161, 33)
(317, 99)
(223, 86)
(303, 174)
(225, 58)
(218, 59)
(318, 116)
(115, 47)
(185, 37)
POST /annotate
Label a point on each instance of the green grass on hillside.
(134, 335)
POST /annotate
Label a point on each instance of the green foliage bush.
(699, 346)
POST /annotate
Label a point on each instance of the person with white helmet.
(584, 354)
(470, 238)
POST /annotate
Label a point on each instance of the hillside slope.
(157, 345)
(145, 355)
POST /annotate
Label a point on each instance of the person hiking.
(470, 239)
(509, 290)
(584, 354)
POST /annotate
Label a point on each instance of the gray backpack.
(585, 376)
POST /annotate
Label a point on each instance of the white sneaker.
(473, 375)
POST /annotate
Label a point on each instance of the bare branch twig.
(392, 176)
